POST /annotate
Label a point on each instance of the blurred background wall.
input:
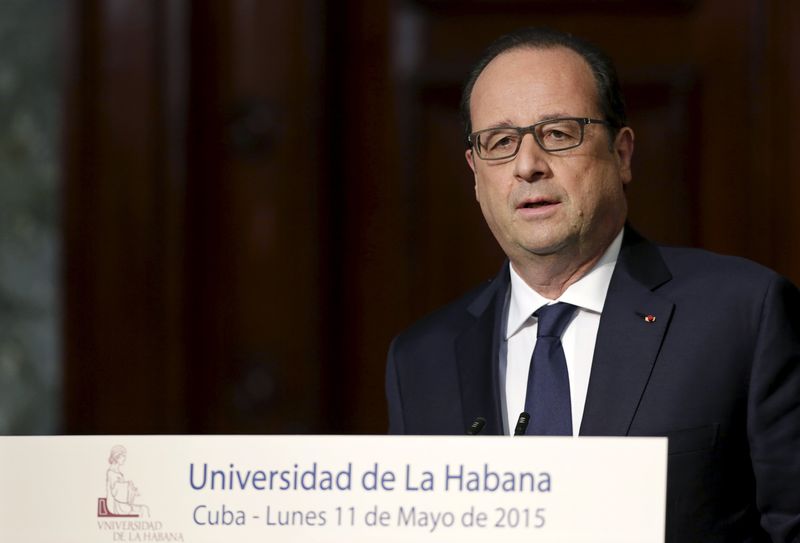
(31, 35)
(257, 195)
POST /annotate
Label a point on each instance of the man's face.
(543, 203)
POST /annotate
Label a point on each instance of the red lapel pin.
(649, 318)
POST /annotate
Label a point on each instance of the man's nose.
(532, 162)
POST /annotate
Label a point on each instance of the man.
(651, 341)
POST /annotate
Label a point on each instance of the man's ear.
(623, 153)
(471, 161)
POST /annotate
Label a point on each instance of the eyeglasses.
(551, 135)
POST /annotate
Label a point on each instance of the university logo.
(120, 516)
(121, 493)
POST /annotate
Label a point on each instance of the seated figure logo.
(121, 493)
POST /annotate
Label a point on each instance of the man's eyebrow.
(501, 124)
(554, 115)
(506, 123)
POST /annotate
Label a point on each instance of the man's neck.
(551, 275)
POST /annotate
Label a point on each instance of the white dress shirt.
(588, 293)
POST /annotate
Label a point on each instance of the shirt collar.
(587, 293)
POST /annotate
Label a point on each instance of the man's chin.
(546, 247)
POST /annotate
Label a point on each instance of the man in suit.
(653, 341)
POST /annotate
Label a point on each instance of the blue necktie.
(547, 399)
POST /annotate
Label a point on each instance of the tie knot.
(553, 319)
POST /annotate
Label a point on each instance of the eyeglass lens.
(552, 136)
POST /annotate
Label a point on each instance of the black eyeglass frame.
(582, 121)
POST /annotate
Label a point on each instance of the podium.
(332, 489)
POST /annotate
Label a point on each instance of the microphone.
(522, 424)
(476, 426)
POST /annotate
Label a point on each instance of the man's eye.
(503, 142)
(557, 135)
(500, 142)
(560, 133)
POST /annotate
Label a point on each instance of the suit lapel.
(631, 332)
(477, 348)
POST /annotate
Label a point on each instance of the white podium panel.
(330, 489)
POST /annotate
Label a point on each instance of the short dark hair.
(609, 93)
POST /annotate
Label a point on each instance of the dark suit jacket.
(718, 372)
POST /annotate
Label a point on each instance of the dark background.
(260, 194)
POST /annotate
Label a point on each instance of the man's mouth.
(536, 203)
